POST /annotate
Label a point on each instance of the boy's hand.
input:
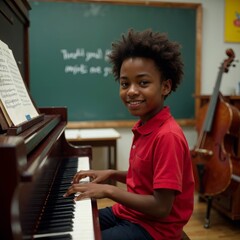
(87, 190)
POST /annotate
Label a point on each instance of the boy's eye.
(143, 83)
(123, 84)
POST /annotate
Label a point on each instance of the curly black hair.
(153, 45)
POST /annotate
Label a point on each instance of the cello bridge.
(204, 152)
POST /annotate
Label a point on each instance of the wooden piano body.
(35, 153)
(32, 155)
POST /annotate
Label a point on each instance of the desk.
(99, 137)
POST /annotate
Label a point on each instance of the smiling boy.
(158, 201)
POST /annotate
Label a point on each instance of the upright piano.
(36, 162)
(37, 165)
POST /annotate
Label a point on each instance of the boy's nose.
(133, 90)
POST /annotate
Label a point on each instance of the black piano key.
(69, 207)
(62, 207)
(57, 222)
(55, 230)
(66, 221)
(52, 215)
(50, 225)
(57, 215)
(58, 237)
(66, 204)
(60, 200)
(58, 194)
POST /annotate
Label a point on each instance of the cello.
(218, 123)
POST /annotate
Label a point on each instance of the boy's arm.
(157, 205)
(119, 176)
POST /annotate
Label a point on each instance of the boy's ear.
(167, 87)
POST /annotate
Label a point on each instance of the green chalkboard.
(69, 42)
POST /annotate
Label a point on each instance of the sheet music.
(15, 100)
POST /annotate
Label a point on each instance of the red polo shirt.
(160, 158)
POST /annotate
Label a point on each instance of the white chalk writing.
(84, 61)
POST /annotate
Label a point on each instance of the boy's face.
(141, 87)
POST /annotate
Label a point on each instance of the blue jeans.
(114, 228)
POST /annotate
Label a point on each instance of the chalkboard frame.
(129, 123)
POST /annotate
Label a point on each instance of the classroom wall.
(213, 53)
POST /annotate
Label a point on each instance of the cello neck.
(212, 104)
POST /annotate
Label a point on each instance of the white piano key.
(84, 164)
(83, 221)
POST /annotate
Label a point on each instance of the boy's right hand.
(97, 176)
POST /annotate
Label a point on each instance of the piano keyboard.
(66, 219)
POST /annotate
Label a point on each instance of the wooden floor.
(221, 227)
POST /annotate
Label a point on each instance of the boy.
(160, 186)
